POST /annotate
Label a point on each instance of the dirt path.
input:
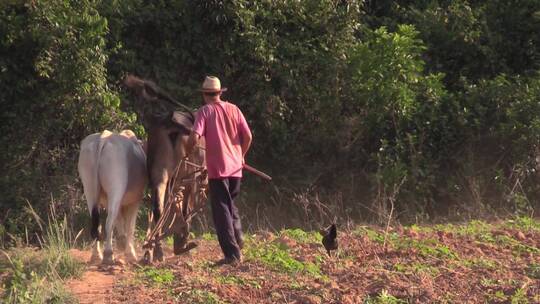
(97, 282)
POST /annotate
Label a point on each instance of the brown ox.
(168, 135)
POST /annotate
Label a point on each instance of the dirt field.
(473, 263)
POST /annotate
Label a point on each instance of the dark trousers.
(223, 191)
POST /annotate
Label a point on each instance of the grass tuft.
(533, 271)
(235, 280)
(37, 276)
(276, 256)
(427, 248)
(384, 298)
(159, 277)
(199, 296)
(302, 236)
(524, 223)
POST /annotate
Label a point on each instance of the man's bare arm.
(192, 142)
(246, 143)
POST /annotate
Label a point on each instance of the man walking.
(228, 138)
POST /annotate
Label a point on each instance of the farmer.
(228, 139)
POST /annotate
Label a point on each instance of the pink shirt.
(223, 125)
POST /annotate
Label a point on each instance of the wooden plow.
(186, 197)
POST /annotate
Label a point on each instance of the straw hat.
(212, 84)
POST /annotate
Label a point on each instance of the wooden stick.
(251, 169)
(257, 172)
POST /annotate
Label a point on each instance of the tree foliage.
(436, 94)
(54, 93)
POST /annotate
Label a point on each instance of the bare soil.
(450, 264)
(97, 282)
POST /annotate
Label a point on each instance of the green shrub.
(302, 236)
(277, 257)
(156, 276)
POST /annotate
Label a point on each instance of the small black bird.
(329, 239)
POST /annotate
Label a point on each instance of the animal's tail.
(104, 135)
(89, 157)
(86, 172)
(102, 140)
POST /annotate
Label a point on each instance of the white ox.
(112, 168)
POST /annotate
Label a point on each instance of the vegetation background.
(413, 110)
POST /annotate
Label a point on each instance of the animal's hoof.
(96, 259)
(179, 243)
(108, 258)
(187, 248)
(130, 255)
(130, 258)
(158, 254)
(121, 242)
(147, 258)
